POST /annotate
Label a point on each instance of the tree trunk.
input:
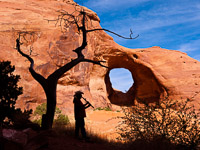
(50, 91)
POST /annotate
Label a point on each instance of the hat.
(78, 93)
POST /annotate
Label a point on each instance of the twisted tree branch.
(22, 53)
(115, 33)
(95, 62)
(35, 75)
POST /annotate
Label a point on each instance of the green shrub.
(41, 109)
(61, 120)
(20, 118)
(38, 121)
(9, 92)
(107, 109)
(167, 120)
(98, 108)
(104, 108)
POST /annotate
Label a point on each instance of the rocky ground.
(103, 123)
(67, 142)
(100, 126)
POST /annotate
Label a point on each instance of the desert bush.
(60, 119)
(21, 119)
(103, 108)
(38, 121)
(169, 121)
(107, 109)
(41, 109)
(9, 92)
(98, 108)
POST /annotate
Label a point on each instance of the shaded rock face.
(156, 72)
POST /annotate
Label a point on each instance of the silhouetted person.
(79, 114)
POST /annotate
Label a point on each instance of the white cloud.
(147, 21)
(156, 23)
(110, 5)
(191, 46)
(197, 57)
(171, 10)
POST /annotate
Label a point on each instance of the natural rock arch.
(146, 86)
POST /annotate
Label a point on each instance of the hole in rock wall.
(121, 79)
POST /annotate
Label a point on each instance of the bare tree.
(49, 84)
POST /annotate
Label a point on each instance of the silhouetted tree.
(9, 91)
(49, 84)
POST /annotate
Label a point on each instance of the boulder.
(24, 139)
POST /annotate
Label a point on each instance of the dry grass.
(94, 136)
(102, 140)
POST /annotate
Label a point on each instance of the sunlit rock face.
(156, 72)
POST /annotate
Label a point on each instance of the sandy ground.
(101, 122)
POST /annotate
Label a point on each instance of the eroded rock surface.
(156, 72)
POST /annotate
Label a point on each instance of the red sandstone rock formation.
(156, 72)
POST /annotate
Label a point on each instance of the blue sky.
(170, 24)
